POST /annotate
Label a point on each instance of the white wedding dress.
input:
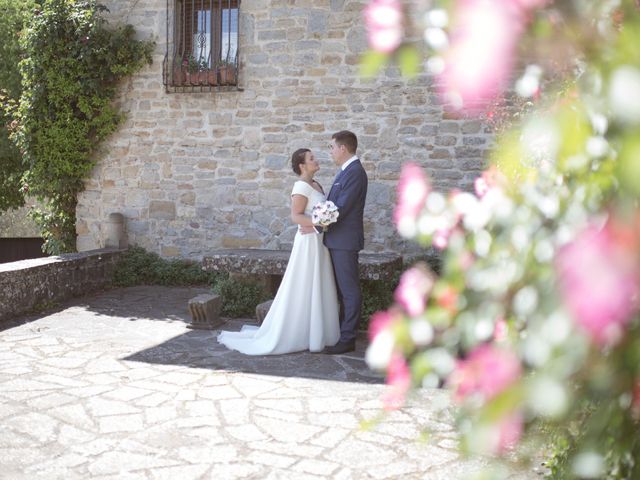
(304, 313)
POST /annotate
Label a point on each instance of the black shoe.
(340, 347)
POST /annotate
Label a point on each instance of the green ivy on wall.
(72, 63)
(14, 14)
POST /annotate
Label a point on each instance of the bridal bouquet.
(324, 214)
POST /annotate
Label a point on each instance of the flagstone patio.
(115, 386)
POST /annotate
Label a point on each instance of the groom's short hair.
(346, 138)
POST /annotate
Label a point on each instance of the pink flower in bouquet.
(399, 382)
(487, 371)
(413, 189)
(381, 321)
(599, 279)
(383, 19)
(415, 285)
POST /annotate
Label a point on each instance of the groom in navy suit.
(345, 238)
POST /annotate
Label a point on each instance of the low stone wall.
(34, 283)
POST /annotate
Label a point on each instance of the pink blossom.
(399, 382)
(413, 189)
(481, 56)
(381, 321)
(441, 238)
(415, 285)
(489, 179)
(599, 279)
(480, 186)
(487, 371)
(500, 330)
(447, 298)
(483, 41)
(508, 432)
(384, 24)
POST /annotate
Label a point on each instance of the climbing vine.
(72, 63)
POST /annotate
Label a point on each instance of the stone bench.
(259, 262)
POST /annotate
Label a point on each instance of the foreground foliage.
(534, 323)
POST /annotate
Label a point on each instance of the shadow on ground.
(148, 324)
(199, 349)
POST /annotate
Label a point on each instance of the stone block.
(262, 310)
(205, 311)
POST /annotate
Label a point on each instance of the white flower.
(436, 38)
(380, 350)
(437, 17)
(624, 94)
(421, 331)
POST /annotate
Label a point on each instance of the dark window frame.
(202, 45)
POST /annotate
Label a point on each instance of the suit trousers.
(345, 268)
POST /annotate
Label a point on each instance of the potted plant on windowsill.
(196, 71)
(178, 73)
(227, 71)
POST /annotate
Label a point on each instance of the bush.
(139, 267)
(239, 298)
(376, 295)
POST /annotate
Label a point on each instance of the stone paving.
(114, 386)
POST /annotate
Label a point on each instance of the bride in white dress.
(304, 313)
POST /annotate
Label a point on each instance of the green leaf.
(409, 61)
(371, 63)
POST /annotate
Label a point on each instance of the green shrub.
(376, 295)
(239, 298)
(139, 267)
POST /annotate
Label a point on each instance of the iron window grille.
(202, 45)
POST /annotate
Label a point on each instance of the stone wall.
(201, 171)
(37, 283)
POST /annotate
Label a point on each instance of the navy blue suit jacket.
(348, 192)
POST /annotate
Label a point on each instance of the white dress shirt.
(349, 162)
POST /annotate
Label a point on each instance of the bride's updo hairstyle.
(297, 159)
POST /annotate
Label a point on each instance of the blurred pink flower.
(509, 431)
(480, 59)
(481, 187)
(500, 330)
(479, 62)
(383, 19)
(414, 287)
(381, 321)
(441, 239)
(487, 371)
(447, 298)
(413, 189)
(599, 280)
(399, 382)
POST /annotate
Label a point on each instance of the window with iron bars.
(202, 45)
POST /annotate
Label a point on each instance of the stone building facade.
(193, 172)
